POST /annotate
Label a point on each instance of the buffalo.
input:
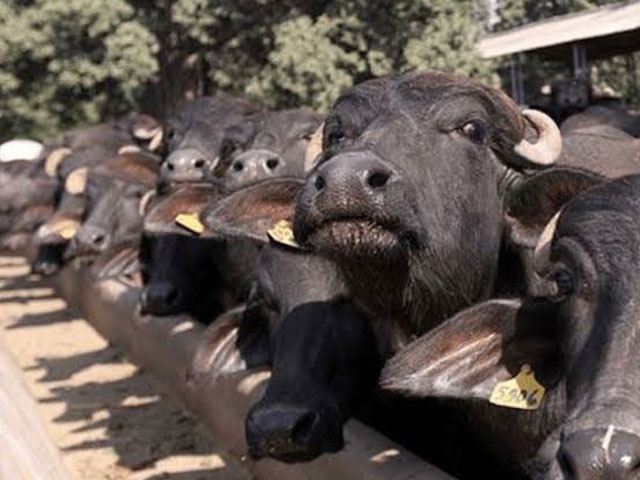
(193, 135)
(205, 272)
(85, 148)
(115, 190)
(391, 207)
(185, 273)
(601, 115)
(272, 145)
(27, 199)
(577, 336)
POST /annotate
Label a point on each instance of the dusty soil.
(109, 419)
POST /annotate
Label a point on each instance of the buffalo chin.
(357, 239)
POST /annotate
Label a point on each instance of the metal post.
(579, 60)
(517, 81)
(520, 75)
(513, 79)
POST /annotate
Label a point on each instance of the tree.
(65, 62)
(313, 59)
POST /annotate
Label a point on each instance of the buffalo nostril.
(238, 166)
(593, 452)
(377, 179)
(199, 163)
(319, 182)
(303, 427)
(172, 296)
(98, 240)
(567, 464)
(170, 166)
(272, 163)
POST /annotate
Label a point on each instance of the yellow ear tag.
(66, 228)
(282, 233)
(190, 221)
(522, 392)
(68, 232)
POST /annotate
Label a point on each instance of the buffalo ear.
(467, 355)
(233, 342)
(252, 211)
(162, 216)
(535, 200)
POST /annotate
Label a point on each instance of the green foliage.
(65, 62)
(315, 58)
(518, 12)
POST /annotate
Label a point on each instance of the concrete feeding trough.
(26, 451)
(165, 347)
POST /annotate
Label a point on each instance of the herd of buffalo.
(457, 272)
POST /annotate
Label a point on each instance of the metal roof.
(605, 31)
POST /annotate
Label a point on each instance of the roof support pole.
(516, 79)
(579, 60)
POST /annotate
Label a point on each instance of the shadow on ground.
(123, 412)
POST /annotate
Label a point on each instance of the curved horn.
(76, 181)
(145, 201)
(156, 141)
(314, 148)
(549, 145)
(543, 247)
(129, 149)
(54, 159)
(145, 127)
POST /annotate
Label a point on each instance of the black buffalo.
(578, 335)
(600, 115)
(193, 135)
(86, 147)
(601, 148)
(392, 203)
(270, 144)
(184, 273)
(114, 190)
(27, 199)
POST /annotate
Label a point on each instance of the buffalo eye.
(169, 132)
(564, 282)
(474, 131)
(335, 137)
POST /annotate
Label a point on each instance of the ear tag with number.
(191, 222)
(282, 233)
(522, 392)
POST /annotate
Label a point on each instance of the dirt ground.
(108, 419)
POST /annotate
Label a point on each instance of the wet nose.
(252, 166)
(289, 433)
(48, 259)
(188, 164)
(46, 268)
(600, 454)
(160, 298)
(258, 163)
(353, 174)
